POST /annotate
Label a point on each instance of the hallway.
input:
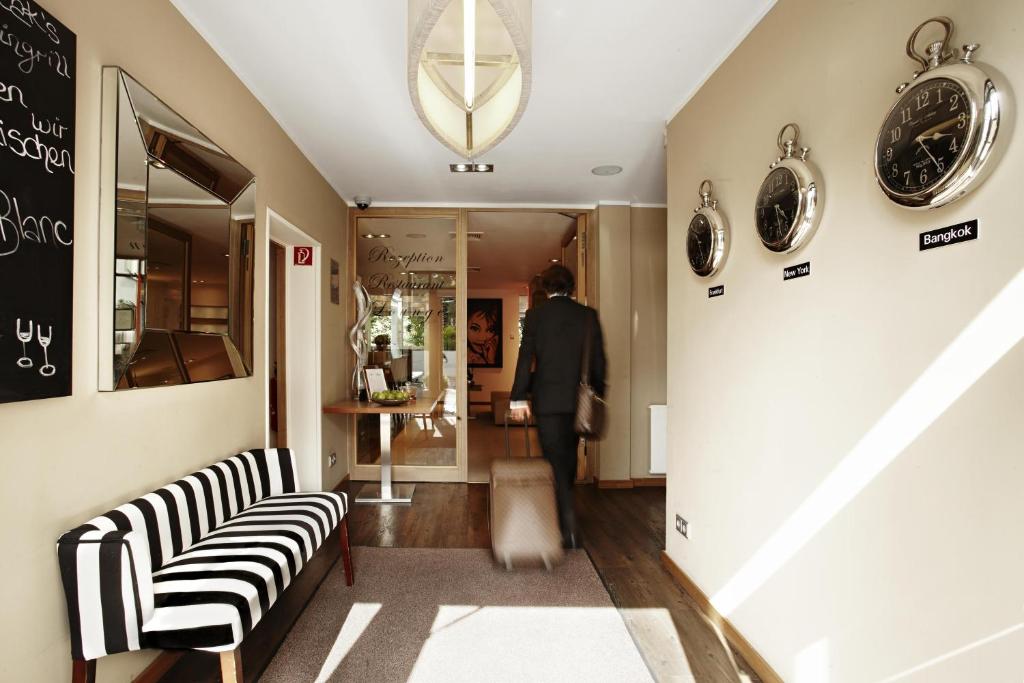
(622, 534)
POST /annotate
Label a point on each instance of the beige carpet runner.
(452, 615)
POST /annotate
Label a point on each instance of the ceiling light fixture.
(469, 70)
(471, 168)
(556, 260)
(469, 52)
(371, 236)
(609, 169)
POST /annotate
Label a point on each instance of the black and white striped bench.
(195, 564)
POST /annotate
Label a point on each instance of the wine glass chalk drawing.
(24, 337)
(47, 370)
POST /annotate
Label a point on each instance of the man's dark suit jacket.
(553, 337)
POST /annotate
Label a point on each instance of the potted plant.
(382, 341)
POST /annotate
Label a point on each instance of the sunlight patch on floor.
(656, 637)
(470, 642)
(359, 617)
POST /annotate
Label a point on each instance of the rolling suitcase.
(524, 516)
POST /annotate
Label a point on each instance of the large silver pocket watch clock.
(938, 138)
(707, 237)
(789, 202)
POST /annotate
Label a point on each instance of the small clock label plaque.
(716, 291)
(799, 270)
(953, 234)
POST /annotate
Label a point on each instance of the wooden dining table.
(386, 491)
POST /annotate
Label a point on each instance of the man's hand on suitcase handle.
(520, 411)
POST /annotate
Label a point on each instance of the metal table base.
(372, 493)
(385, 491)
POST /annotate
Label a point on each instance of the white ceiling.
(514, 246)
(607, 76)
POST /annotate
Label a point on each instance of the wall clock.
(707, 237)
(788, 206)
(938, 138)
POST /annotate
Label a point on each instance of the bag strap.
(585, 369)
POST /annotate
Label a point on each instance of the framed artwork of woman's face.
(484, 333)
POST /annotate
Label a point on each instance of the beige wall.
(499, 379)
(614, 288)
(631, 300)
(648, 261)
(847, 446)
(68, 459)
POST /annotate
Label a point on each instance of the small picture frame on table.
(374, 380)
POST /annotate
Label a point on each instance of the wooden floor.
(623, 532)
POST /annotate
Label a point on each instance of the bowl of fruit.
(395, 397)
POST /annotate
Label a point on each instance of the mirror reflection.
(183, 261)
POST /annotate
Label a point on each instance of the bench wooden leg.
(231, 666)
(346, 553)
(83, 671)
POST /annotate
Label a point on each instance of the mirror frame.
(241, 322)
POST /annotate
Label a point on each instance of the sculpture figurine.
(357, 335)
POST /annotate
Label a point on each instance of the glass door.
(409, 263)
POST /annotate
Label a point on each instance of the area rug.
(425, 614)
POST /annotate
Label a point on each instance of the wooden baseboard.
(342, 484)
(735, 638)
(629, 483)
(613, 483)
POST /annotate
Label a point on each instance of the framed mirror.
(177, 228)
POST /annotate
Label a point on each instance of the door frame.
(460, 214)
(302, 334)
(418, 473)
(279, 329)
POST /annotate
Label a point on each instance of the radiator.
(659, 438)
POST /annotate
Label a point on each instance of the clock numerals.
(702, 248)
(923, 136)
(777, 204)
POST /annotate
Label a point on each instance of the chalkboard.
(37, 202)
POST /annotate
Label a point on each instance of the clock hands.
(926, 151)
(937, 128)
(781, 216)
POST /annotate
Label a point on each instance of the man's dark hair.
(557, 279)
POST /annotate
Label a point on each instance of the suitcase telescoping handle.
(526, 433)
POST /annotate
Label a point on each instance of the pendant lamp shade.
(469, 69)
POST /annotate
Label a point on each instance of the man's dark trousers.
(558, 442)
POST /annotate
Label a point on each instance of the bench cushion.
(211, 596)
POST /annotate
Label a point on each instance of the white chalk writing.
(29, 56)
(12, 93)
(23, 11)
(16, 228)
(32, 147)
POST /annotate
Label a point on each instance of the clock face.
(700, 244)
(778, 201)
(923, 137)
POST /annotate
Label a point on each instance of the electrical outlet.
(332, 459)
(682, 526)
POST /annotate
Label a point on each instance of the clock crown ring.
(938, 52)
(705, 194)
(787, 146)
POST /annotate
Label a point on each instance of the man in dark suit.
(552, 347)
